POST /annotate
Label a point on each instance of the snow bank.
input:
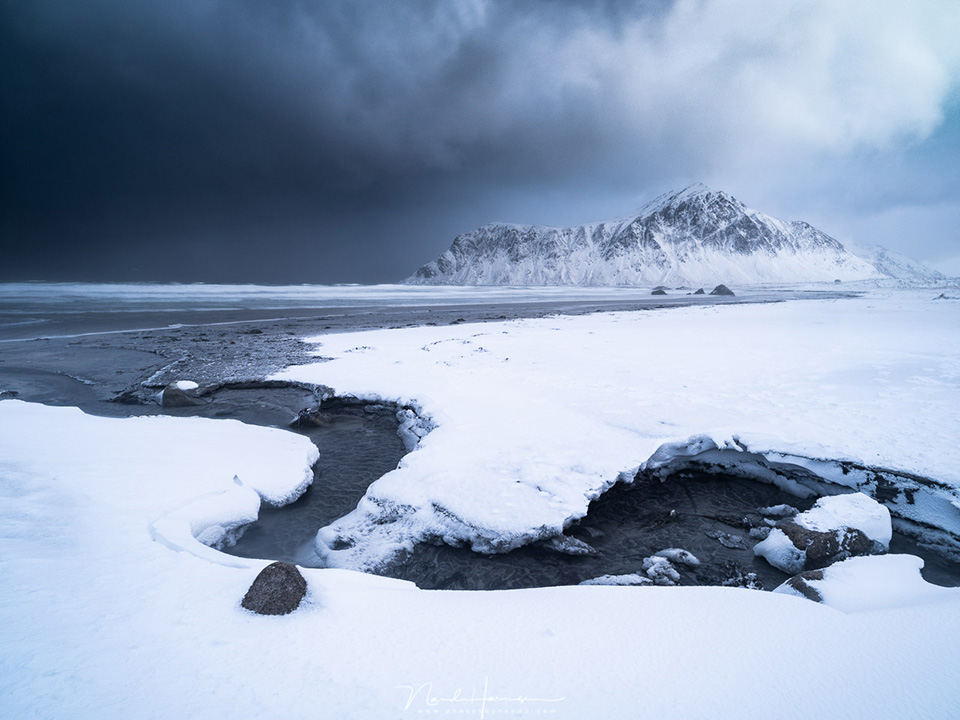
(922, 506)
(873, 583)
(534, 418)
(198, 481)
(100, 620)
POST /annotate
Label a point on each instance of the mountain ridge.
(694, 236)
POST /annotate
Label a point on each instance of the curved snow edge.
(380, 530)
(205, 524)
(921, 507)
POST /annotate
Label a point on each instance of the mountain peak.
(698, 192)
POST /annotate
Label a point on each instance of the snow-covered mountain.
(696, 237)
(895, 265)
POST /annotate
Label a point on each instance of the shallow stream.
(707, 515)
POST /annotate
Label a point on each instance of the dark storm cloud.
(349, 141)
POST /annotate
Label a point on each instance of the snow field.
(99, 620)
(537, 417)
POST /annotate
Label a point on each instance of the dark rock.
(699, 291)
(8, 394)
(659, 292)
(722, 290)
(174, 397)
(824, 548)
(799, 583)
(277, 590)
(728, 540)
(837, 282)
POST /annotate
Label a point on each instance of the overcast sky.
(329, 141)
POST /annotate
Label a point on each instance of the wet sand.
(88, 359)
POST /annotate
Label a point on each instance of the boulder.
(179, 394)
(837, 527)
(659, 292)
(277, 590)
(722, 290)
(699, 291)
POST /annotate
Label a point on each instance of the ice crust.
(629, 579)
(535, 418)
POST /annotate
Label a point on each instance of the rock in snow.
(696, 236)
(836, 527)
(660, 570)
(722, 290)
(277, 590)
(868, 583)
(678, 555)
(804, 585)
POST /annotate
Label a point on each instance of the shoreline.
(88, 359)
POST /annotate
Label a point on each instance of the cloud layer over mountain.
(150, 139)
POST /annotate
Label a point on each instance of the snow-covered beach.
(116, 605)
